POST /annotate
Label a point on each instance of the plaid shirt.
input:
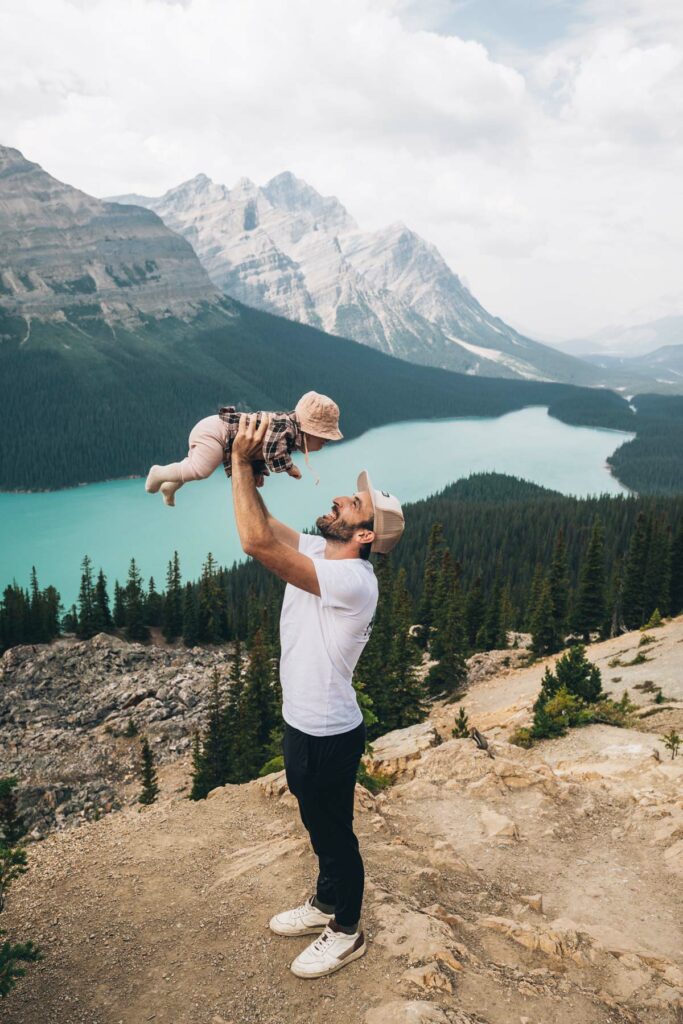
(283, 436)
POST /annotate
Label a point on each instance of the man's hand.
(295, 472)
(248, 443)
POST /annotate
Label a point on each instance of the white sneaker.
(329, 953)
(303, 920)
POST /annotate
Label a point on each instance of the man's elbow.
(253, 548)
(249, 547)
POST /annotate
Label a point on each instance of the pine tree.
(231, 709)
(13, 863)
(172, 624)
(153, 604)
(52, 610)
(559, 586)
(233, 715)
(261, 693)
(190, 617)
(543, 725)
(575, 682)
(37, 629)
(544, 638)
(70, 620)
(87, 625)
(148, 775)
(492, 635)
(657, 582)
(590, 610)
(578, 675)
(461, 729)
(507, 611)
(447, 580)
(615, 599)
(200, 783)
(635, 567)
(475, 612)
(535, 593)
(12, 827)
(211, 604)
(450, 673)
(245, 755)
(135, 626)
(407, 690)
(101, 613)
(211, 768)
(430, 581)
(119, 614)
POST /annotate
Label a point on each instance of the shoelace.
(303, 909)
(319, 943)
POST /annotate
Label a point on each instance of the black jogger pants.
(321, 773)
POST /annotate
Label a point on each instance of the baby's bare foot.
(155, 479)
(168, 490)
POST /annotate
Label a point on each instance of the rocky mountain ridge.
(65, 254)
(284, 248)
(531, 886)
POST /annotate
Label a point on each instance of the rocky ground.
(530, 887)
(65, 710)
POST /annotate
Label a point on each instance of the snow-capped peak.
(287, 248)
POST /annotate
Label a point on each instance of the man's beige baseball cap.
(389, 519)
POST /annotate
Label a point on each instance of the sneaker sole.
(331, 970)
(306, 931)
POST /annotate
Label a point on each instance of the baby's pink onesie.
(207, 442)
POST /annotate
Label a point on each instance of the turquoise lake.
(115, 521)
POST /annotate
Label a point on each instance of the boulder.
(396, 752)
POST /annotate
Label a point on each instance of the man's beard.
(333, 527)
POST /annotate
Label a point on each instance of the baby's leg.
(205, 453)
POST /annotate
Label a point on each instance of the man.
(327, 613)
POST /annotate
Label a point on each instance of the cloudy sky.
(537, 143)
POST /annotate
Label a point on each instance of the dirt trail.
(539, 886)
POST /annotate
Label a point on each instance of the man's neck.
(335, 549)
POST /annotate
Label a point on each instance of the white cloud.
(552, 185)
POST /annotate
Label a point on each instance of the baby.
(315, 421)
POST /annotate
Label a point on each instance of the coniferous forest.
(136, 396)
(487, 556)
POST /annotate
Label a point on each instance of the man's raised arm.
(261, 535)
(281, 531)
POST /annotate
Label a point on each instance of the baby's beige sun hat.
(319, 415)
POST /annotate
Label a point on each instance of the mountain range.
(639, 339)
(664, 365)
(114, 341)
(286, 249)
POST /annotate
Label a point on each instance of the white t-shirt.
(321, 639)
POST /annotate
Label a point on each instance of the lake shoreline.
(113, 521)
(627, 435)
